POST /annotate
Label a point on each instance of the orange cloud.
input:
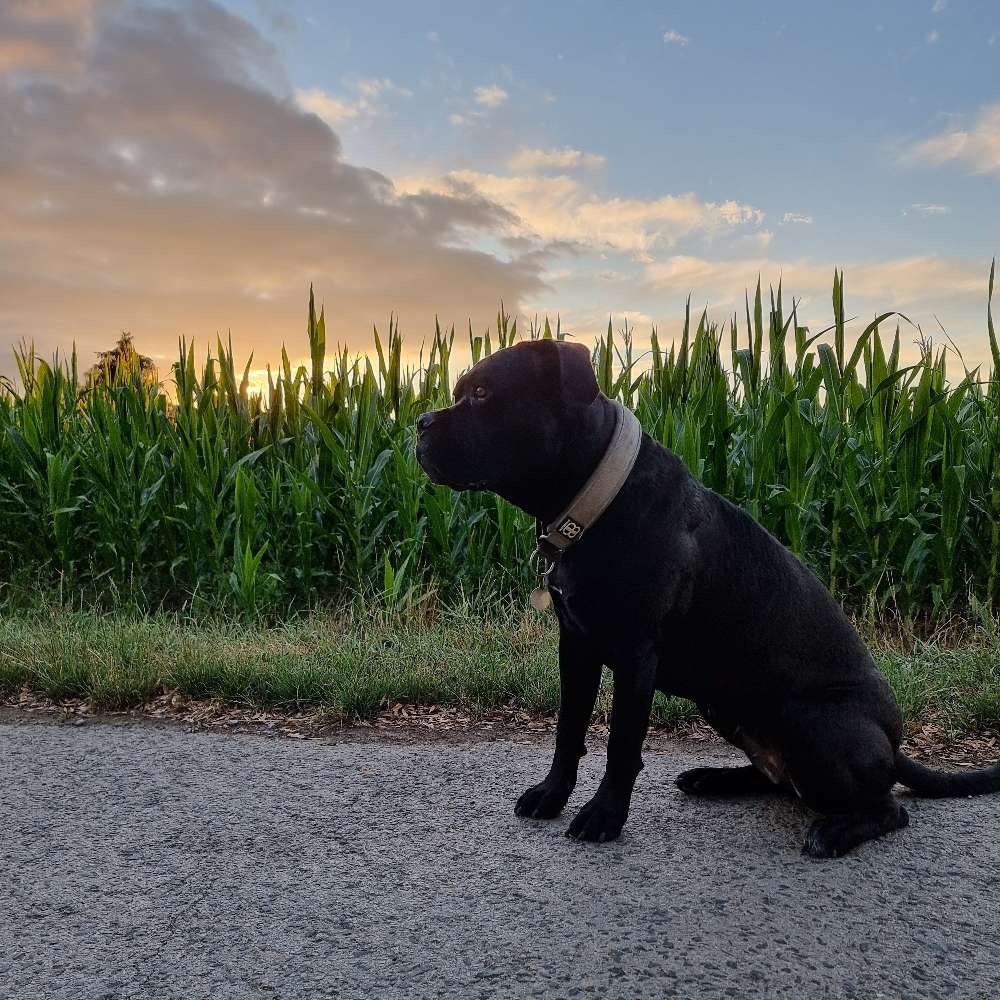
(894, 284)
(174, 186)
(565, 208)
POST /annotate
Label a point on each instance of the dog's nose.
(425, 420)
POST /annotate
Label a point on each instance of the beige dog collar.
(591, 502)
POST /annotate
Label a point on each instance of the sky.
(189, 168)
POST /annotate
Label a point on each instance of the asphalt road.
(145, 862)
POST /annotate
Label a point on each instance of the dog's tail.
(945, 784)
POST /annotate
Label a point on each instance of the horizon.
(463, 352)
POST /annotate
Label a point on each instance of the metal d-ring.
(544, 566)
(541, 564)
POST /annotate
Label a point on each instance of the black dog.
(675, 588)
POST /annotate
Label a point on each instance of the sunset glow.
(190, 168)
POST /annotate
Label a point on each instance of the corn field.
(204, 497)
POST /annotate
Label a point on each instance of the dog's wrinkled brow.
(463, 383)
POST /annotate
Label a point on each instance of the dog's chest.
(567, 605)
(579, 603)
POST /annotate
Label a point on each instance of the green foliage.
(884, 477)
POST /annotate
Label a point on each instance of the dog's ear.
(577, 382)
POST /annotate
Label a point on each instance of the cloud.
(565, 209)
(433, 37)
(977, 147)
(23, 54)
(750, 242)
(893, 283)
(159, 175)
(796, 219)
(636, 318)
(939, 6)
(933, 37)
(922, 288)
(487, 98)
(490, 97)
(675, 38)
(532, 160)
(44, 34)
(922, 209)
(366, 103)
(333, 110)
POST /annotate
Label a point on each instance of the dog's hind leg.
(763, 777)
(840, 761)
(722, 781)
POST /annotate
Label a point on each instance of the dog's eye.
(479, 392)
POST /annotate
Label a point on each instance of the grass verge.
(353, 664)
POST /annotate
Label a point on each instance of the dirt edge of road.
(428, 724)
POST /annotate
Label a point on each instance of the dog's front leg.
(579, 679)
(603, 817)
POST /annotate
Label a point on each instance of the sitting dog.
(674, 588)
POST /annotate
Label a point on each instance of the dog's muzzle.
(423, 448)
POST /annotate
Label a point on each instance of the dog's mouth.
(433, 472)
(423, 461)
(438, 477)
(460, 486)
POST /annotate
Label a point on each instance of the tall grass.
(883, 476)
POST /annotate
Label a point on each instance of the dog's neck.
(546, 497)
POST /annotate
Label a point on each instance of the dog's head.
(513, 414)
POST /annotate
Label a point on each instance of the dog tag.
(541, 599)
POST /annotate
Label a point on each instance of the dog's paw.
(727, 781)
(828, 838)
(543, 801)
(599, 820)
(835, 836)
(698, 781)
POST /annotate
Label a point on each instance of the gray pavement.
(149, 862)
